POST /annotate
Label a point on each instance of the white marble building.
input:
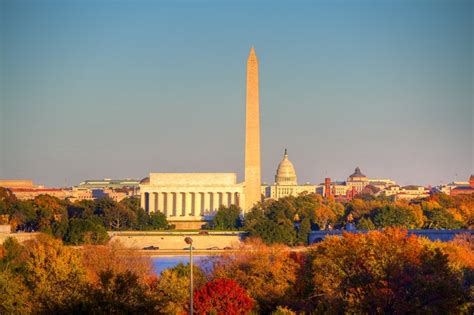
(190, 196)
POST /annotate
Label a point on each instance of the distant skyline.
(117, 89)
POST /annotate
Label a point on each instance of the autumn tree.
(54, 274)
(222, 296)
(384, 272)
(14, 295)
(116, 258)
(172, 288)
(268, 273)
(119, 293)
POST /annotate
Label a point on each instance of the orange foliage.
(388, 271)
(115, 257)
(268, 273)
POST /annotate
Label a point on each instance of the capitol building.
(286, 183)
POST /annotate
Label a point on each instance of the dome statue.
(285, 174)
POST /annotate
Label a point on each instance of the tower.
(252, 135)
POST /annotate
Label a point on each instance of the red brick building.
(464, 190)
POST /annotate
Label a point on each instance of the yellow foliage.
(54, 272)
(268, 273)
(114, 257)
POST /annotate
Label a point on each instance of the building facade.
(464, 189)
(190, 197)
(355, 184)
(286, 182)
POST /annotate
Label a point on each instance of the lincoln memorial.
(189, 197)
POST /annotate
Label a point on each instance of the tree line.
(289, 220)
(378, 272)
(81, 222)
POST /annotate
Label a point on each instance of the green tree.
(81, 209)
(227, 218)
(394, 216)
(303, 231)
(85, 231)
(157, 221)
(441, 219)
(116, 216)
(365, 224)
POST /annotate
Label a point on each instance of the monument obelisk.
(252, 180)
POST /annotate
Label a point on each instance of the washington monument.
(252, 135)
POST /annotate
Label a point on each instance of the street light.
(189, 241)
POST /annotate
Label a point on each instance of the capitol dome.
(285, 174)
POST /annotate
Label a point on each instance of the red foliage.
(222, 296)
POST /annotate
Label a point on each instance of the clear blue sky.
(93, 89)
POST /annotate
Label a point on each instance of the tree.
(50, 211)
(15, 297)
(384, 272)
(365, 224)
(268, 273)
(439, 218)
(173, 288)
(271, 232)
(119, 293)
(222, 296)
(54, 274)
(227, 218)
(394, 216)
(116, 216)
(157, 221)
(81, 209)
(85, 231)
(303, 231)
(281, 310)
(323, 216)
(113, 256)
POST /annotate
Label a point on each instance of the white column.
(189, 204)
(198, 209)
(179, 204)
(207, 203)
(231, 198)
(142, 200)
(215, 202)
(169, 204)
(161, 202)
(225, 199)
(151, 202)
(237, 199)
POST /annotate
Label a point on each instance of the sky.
(119, 89)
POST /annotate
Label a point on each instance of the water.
(161, 263)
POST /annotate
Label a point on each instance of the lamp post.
(189, 241)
